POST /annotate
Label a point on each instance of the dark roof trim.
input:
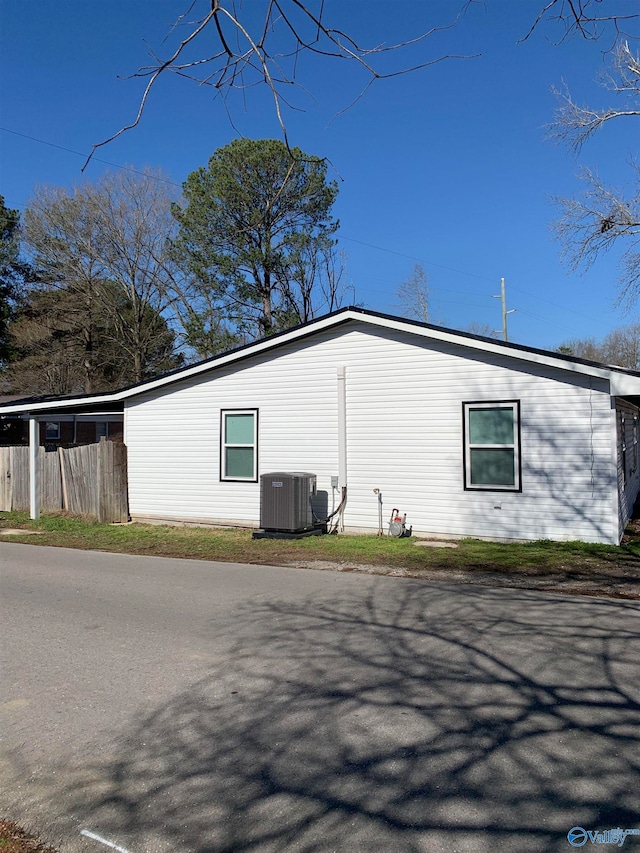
(327, 321)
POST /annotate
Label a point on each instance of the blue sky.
(448, 166)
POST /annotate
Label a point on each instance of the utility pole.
(503, 297)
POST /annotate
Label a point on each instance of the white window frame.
(514, 405)
(48, 437)
(224, 445)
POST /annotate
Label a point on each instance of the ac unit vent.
(285, 501)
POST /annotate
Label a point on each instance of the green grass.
(570, 558)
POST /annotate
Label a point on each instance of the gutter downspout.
(34, 468)
(342, 437)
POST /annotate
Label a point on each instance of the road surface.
(172, 706)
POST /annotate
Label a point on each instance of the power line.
(97, 159)
(342, 236)
(470, 274)
(413, 258)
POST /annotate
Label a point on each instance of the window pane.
(491, 426)
(492, 468)
(239, 429)
(239, 462)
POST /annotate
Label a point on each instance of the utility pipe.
(342, 436)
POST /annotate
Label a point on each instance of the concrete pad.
(15, 531)
(435, 543)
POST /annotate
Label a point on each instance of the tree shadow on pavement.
(411, 720)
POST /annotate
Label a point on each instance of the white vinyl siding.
(404, 397)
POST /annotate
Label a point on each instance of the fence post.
(34, 468)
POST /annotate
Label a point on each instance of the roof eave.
(623, 379)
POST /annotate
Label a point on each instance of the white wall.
(404, 425)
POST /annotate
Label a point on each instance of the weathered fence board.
(5, 479)
(19, 471)
(50, 481)
(81, 476)
(113, 504)
(90, 479)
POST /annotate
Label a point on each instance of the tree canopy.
(98, 315)
(253, 225)
(13, 272)
(620, 347)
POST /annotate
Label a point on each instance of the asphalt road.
(173, 706)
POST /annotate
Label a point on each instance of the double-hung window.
(239, 444)
(492, 446)
(52, 431)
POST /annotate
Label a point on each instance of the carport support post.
(34, 468)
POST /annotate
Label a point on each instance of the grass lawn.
(571, 559)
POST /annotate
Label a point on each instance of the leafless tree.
(483, 329)
(133, 215)
(620, 347)
(575, 124)
(66, 247)
(600, 218)
(314, 284)
(102, 248)
(413, 295)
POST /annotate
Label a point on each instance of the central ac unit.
(285, 501)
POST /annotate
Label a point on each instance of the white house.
(469, 436)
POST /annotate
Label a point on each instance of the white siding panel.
(404, 436)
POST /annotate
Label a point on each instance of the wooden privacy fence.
(90, 479)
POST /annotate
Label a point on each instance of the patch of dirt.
(19, 531)
(15, 839)
(619, 582)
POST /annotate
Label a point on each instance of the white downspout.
(34, 468)
(342, 436)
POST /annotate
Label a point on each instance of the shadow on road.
(414, 720)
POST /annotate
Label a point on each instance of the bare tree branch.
(154, 76)
(575, 124)
(289, 29)
(588, 19)
(592, 224)
(413, 295)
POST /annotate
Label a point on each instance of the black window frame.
(223, 445)
(517, 446)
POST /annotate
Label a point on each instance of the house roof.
(623, 382)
